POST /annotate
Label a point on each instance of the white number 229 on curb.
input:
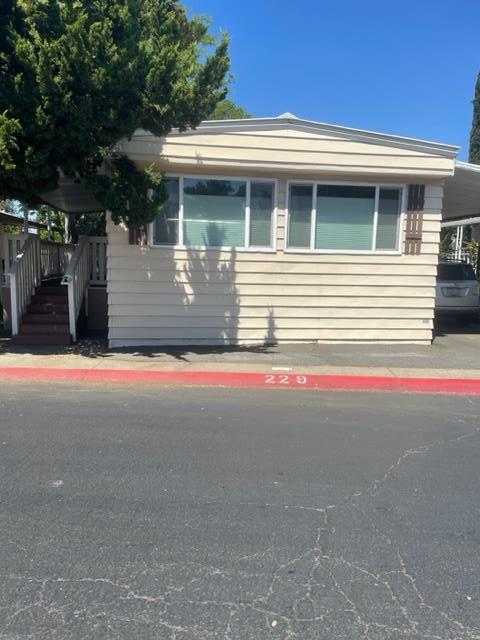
(271, 378)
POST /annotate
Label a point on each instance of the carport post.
(458, 242)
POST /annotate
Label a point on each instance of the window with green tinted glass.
(165, 227)
(388, 218)
(343, 217)
(300, 215)
(212, 212)
(261, 208)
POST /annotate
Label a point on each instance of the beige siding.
(160, 296)
(287, 151)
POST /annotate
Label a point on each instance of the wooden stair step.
(47, 308)
(45, 318)
(51, 291)
(46, 328)
(40, 298)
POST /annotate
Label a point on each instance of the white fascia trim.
(361, 135)
(467, 166)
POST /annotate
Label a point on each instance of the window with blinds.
(324, 217)
(211, 212)
(165, 226)
(261, 211)
(389, 210)
(214, 213)
(300, 209)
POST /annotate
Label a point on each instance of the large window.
(214, 212)
(335, 217)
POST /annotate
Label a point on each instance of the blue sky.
(406, 67)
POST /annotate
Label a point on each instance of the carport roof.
(461, 198)
(71, 196)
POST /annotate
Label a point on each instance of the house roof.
(290, 121)
(72, 197)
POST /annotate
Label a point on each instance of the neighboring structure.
(282, 230)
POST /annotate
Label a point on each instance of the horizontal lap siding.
(170, 314)
(260, 282)
(125, 255)
(161, 296)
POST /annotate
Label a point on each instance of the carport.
(461, 204)
(461, 209)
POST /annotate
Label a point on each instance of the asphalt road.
(197, 513)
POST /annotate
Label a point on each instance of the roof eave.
(362, 135)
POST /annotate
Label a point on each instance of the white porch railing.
(98, 260)
(54, 257)
(27, 260)
(456, 256)
(25, 275)
(12, 247)
(77, 276)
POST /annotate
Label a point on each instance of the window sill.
(344, 252)
(179, 247)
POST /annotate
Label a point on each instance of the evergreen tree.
(474, 153)
(76, 76)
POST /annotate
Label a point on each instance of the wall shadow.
(205, 290)
(210, 292)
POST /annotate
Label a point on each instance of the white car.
(457, 292)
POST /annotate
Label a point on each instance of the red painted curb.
(465, 386)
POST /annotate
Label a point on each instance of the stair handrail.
(76, 278)
(25, 275)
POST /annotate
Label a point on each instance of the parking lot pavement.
(146, 513)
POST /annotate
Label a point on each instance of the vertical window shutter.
(132, 235)
(414, 219)
(137, 236)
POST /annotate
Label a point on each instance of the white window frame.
(248, 180)
(378, 185)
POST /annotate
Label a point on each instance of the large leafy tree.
(76, 76)
(474, 154)
(228, 110)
